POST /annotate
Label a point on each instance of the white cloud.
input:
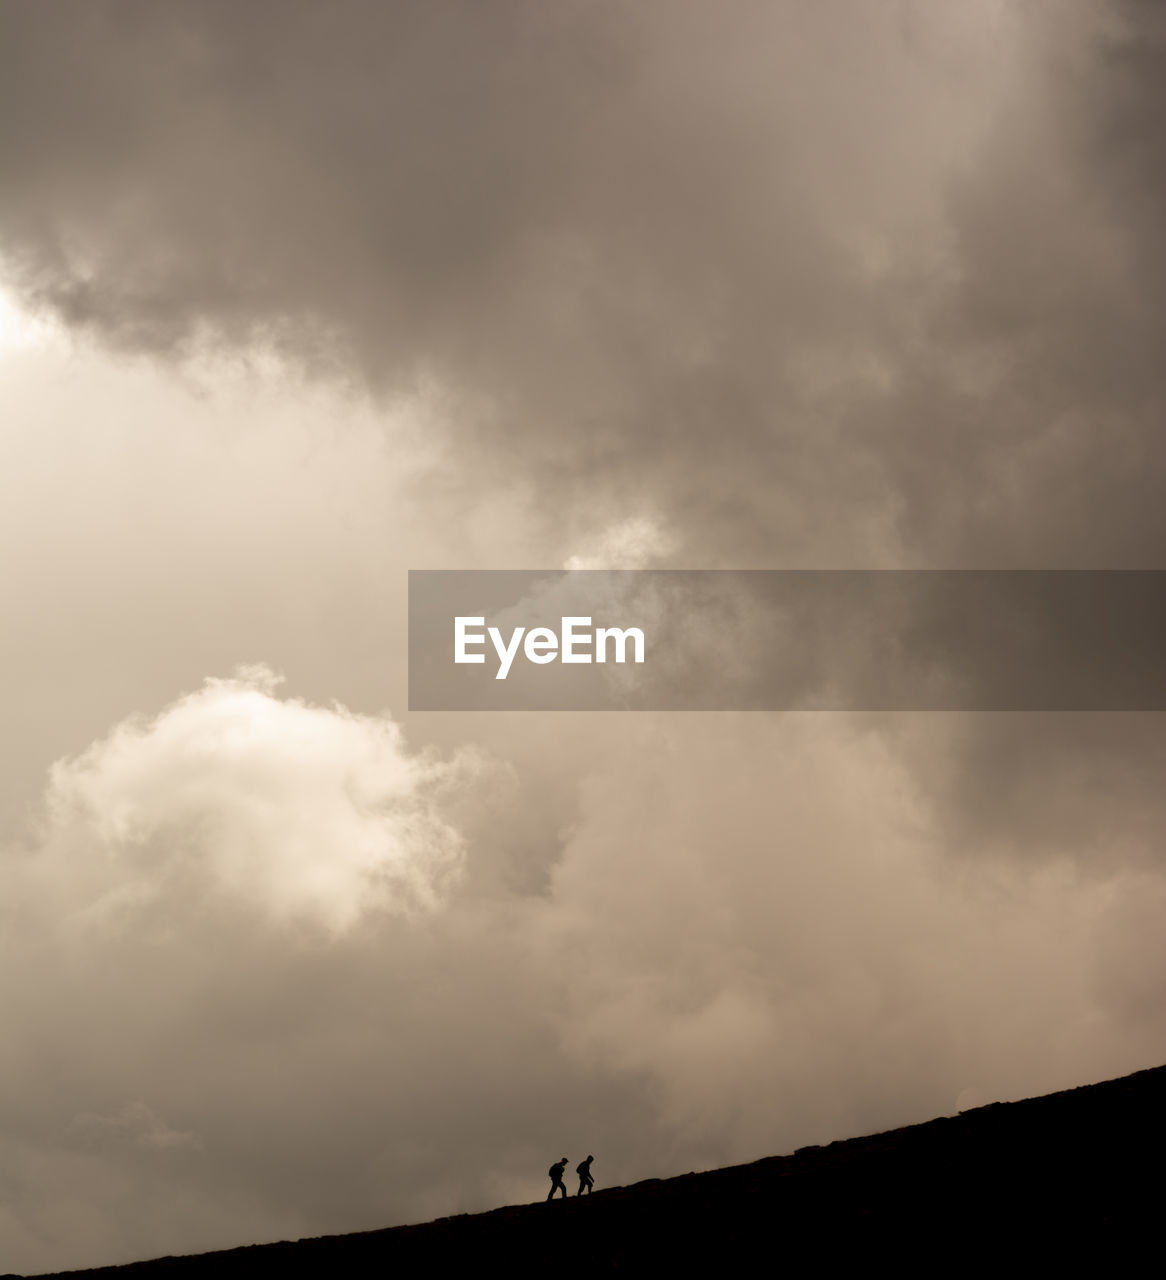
(300, 812)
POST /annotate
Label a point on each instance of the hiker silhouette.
(556, 1172)
(583, 1169)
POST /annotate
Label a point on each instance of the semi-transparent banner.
(857, 640)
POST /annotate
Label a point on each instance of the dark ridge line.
(1077, 1161)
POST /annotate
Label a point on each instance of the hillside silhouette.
(1070, 1177)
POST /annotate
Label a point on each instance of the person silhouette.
(583, 1169)
(556, 1172)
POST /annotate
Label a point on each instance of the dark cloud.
(832, 287)
(648, 250)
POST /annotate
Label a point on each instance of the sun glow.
(19, 329)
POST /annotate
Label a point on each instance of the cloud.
(658, 253)
(745, 919)
(797, 287)
(794, 287)
(301, 813)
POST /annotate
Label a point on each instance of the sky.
(296, 297)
